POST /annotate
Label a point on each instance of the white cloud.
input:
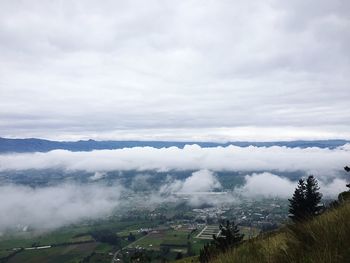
(200, 181)
(141, 183)
(55, 206)
(97, 176)
(334, 187)
(199, 188)
(266, 185)
(321, 162)
(271, 185)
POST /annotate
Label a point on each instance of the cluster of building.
(263, 213)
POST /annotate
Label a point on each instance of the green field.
(156, 239)
(72, 253)
(69, 243)
(197, 244)
(66, 252)
(176, 240)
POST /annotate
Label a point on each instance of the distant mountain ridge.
(40, 145)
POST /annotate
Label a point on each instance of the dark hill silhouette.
(40, 145)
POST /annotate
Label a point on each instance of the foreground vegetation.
(323, 239)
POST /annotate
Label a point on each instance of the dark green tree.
(140, 256)
(306, 199)
(207, 253)
(347, 169)
(229, 236)
(312, 197)
(179, 255)
(131, 237)
(343, 196)
(297, 204)
(106, 236)
(164, 250)
(190, 251)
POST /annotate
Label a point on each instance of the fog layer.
(323, 162)
(55, 206)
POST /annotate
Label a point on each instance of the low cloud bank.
(55, 206)
(325, 162)
(196, 189)
(271, 185)
(200, 181)
(52, 207)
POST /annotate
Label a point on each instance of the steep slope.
(325, 239)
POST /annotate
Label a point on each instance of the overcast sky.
(188, 70)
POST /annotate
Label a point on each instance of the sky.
(175, 70)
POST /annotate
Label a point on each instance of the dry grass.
(261, 249)
(325, 239)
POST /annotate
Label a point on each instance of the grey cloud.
(104, 67)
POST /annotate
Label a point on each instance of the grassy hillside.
(325, 239)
